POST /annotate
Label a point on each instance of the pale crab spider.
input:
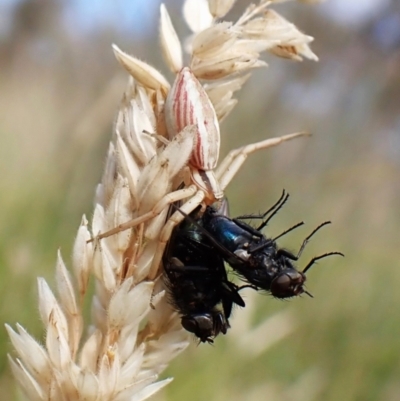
(208, 183)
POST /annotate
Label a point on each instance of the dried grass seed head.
(130, 343)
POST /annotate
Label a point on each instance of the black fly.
(257, 259)
(198, 285)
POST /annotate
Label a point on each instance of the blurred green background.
(59, 91)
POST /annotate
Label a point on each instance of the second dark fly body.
(198, 285)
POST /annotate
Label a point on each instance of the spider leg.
(172, 222)
(157, 209)
(235, 158)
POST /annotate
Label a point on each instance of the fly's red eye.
(288, 284)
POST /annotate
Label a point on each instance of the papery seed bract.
(82, 256)
(65, 287)
(170, 44)
(26, 346)
(147, 75)
(57, 344)
(105, 189)
(90, 351)
(119, 315)
(132, 364)
(49, 307)
(224, 68)
(214, 40)
(218, 8)
(102, 266)
(30, 386)
(151, 389)
(197, 14)
(88, 385)
(188, 104)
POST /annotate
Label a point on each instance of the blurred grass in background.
(60, 88)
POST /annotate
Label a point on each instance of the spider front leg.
(235, 158)
(156, 210)
(172, 222)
